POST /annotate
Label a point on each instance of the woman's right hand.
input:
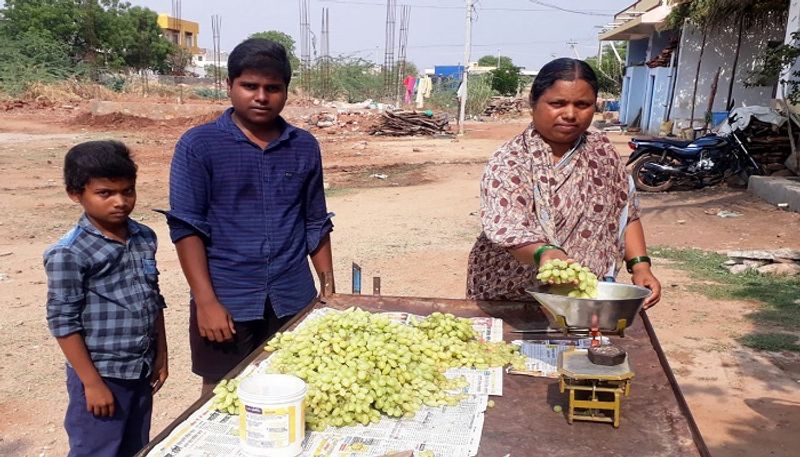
(553, 254)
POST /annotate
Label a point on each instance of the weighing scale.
(595, 391)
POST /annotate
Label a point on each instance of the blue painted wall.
(633, 93)
(637, 52)
(660, 98)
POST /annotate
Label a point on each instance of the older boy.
(247, 210)
(105, 308)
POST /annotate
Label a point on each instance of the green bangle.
(638, 259)
(537, 254)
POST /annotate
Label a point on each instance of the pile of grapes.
(360, 365)
(226, 397)
(569, 279)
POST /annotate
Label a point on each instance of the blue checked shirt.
(107, 291)
(260, 213)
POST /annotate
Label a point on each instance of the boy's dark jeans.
(121, 435)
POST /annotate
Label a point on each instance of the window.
(188, 40)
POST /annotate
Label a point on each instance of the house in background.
(203, 58)
(659, 81)
(181, 32)
(186, 34)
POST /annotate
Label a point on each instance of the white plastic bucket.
(272, 417)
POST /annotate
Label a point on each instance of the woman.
(557, 191)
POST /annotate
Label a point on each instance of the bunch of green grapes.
(226, 397)
(460, 346)
(359, 365)
(439, 325)
(570, 279)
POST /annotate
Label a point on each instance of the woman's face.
(563, 112)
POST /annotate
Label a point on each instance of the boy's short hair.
(97, 159)
(261, 55)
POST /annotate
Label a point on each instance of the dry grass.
(72, 91)
(65, 92)
(135, 86)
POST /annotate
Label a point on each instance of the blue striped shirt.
(260, 213)
(108, 291)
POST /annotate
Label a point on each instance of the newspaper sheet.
(541, 356)
(448, 431)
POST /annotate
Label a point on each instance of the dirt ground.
(412, 227)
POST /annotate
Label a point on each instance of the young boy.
(247, 210)
(105, 308)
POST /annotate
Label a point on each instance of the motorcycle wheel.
(646, 180)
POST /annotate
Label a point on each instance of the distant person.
(105, 308)
(247, 209)
(557, 191)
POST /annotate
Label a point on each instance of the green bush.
(33, 58)
(115, 83)
(213, 94)
(444, 100)
(479, 92)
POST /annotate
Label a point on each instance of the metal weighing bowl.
(615, 307)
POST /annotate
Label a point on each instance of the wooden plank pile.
(406, 123)
(769, 146)
(500, 106)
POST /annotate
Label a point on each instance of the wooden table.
(656, 421)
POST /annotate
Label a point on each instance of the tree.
(95, 34)
(505, 77)
(33, 57)
(145, 47)
(284, 39)
(491, 61)
(212, 71)
(176, 62)
(609, 69)
(505, 80)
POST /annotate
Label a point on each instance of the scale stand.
(593, 388)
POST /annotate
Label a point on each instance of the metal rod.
(356, 279)
(467, 47)
(682, 404)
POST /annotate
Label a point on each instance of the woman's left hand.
(643, 276)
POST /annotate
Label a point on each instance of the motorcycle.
(658, 164)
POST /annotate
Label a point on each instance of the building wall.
(661, 78)
(792, 25)
(658, 41)
(719, 53)
(637, 52)
(633, 93)
(181, 27)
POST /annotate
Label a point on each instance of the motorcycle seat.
(674, 142)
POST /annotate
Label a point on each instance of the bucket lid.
(272, 387)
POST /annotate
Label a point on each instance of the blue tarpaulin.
(449, 71)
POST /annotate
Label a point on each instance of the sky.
(528, 31)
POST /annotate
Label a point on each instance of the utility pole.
(572, 44)
(467, 44)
